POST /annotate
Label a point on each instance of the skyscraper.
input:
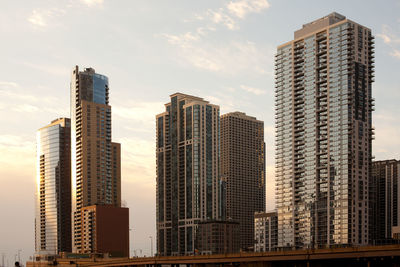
(188, 186)
(96, 175)
(53, 188)
(243, 170)
(323, 133)
(385, 199)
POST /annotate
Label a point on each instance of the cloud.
(230, 58)
(234, 10)
(19, 151)
(195, 48)
(41, 17)
(138, 159)
(139, 111)
(51, 69)
(388, 36)
(91, 3)
(6, 84)
(37, 18)
(392, 39)
(395, 53)
(220, 17)
(253, 90)
(17, 94)
(25, 108)
(241, 8)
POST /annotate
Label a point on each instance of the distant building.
(324, 104)
(218, 237)
(265, 231)
(96, 161)
(105, 229)
(243, 170)
(53, 188)
(385, 200)
(188, 184)
(396, 233)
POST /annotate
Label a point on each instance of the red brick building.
(105, 229)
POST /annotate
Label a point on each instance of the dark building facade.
(218, 237)
(53, 188)
(323, 134)
(105, 229)
(188, 184)
(96, 174)
(243, 170)
(385, 200)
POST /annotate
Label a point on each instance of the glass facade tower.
(96, 176)
(323, 134)
(53, 189)
(188, 186)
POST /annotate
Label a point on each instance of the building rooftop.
(188, 96)
(62, 121)
(265, 214)
(240, 115)
(321, 23)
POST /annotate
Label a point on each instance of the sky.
(221, 50)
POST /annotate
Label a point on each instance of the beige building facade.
(96, 174)
(243, 171)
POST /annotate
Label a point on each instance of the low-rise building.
(265, 231)
(105, 229)
(218, 237)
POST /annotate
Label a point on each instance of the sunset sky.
(221, 50)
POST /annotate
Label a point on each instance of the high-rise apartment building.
(265, 231)
(385, 200)
(53, 188)
(323, 134)
(243, 170)
(188, 185)
(96, 174)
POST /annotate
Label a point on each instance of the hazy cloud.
(16, 148)
(392, 39)
(220, 17)
(193, 47)
(92, 3)
(229, 14)
(395, 53)
(6, 84)
(388, 36)
(138, 160)
(139, 111)
(41, 17)
(231, 57)
(243, 7)
(253, 90)
(51, 69)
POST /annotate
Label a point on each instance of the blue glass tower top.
(93, 86)
(100, 88)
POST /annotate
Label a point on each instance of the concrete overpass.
(351, 256)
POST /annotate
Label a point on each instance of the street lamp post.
(151, 243)
(19, 255)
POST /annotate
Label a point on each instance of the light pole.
(151, 243)
(19, 256)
